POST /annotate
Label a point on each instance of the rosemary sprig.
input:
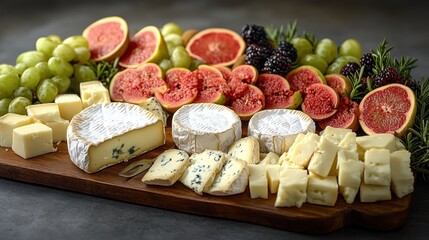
(358, 92)
(277, 35)
(417, 139)
(105, 71)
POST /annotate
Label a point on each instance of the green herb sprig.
(105, 71)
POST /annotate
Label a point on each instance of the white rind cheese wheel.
(276, 129)
(109, 133)
(200, 126)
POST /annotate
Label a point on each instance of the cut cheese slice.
(276, 129)
(153, 106)
(201, 126)
(106, 134)
(246, 149)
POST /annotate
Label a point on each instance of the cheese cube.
(93, 92)
(200, 175)
(8, 122)
(350, 173)
(69, 105)
(349, 142)
(300, 152)
(59, 129)
(401, 174)
(273, 172)
(377, 167)
(322, 190)
(167, 168)
(346, 155)
(292, 189)
(246, 149)
(349, 193)
(335, 135)
(269, 158)
(323, 158)
(232, 178)
(374, 193)
(32, 140)
(258, 182)
(45, 112)
(379, 141)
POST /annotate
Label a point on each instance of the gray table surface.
(29, 211)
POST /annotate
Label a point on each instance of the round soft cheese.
(200, 126)
(276, 129)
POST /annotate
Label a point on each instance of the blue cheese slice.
(276, 129)
(167, 168)
(246, 149)
(201, 126)
(200, 175)
(109, 133)
(153, 106)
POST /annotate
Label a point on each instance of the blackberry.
(287, 49)
(412, 84)
(387, 76)
(350, 68)
(277, 64)
(368, 62)
(254, 34)
(257, 55)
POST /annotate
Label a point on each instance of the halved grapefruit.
(107, 38)
(216, 46)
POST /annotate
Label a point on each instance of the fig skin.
(341, 84)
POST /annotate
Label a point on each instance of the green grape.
(302, 46)
(82, 54)
(327, 49)
(20, 67)
(65, 52)
(174, 39)
(84, 73)
(171, 27)
(76, 41)
(6, 68)
(315, 61)
(23, 92)
(18, 105)
(180, 57)
(31, 58)
(46, 92)
(55, 38)
(62, 83)
(43, 70)
(60, 67)
(4, 106)
(30, 78)
(8, 83)
(350, 47)
(339, 63)
(46, 45)
(194, 64)
(165, 64)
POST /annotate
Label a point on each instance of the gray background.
(29, 211)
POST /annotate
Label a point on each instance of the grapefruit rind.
(409, 115)
(117, 51)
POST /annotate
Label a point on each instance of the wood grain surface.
(56, 170)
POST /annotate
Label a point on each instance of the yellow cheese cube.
(273, 172)
(374, 193)
(45, 112)
(32, 140)
(69, 105)
(258, 182)
(302, 149)
(350, 173)
(292, 190)
(335, 135)
(93, 92)
(8, 122)
(401, 174)
(377, 167)
(269, 158)
(59, 129)
(322, 190)
(379, 141)
(349, 142)
(323, 158)
(349, 193)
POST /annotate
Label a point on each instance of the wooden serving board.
(56, 170)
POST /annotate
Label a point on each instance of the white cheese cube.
(8, 122)
(379, 141)
(349, 193)
(349, 142)
(69, 105)
(377, 167)
(246, 149)
(32, 140)
(59, 129)
(350, 173)
(323, 158)
(374, 193)
(258, 182)
(322, 190)
(167, 168)
(232, 178)
(269, 158)
(273, 173)
(44, 112)
(401, 174)
(300, 152)
(93, 92)
(200, 175)
(335, 135)
(292, 191)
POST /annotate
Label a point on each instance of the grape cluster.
(41, 74)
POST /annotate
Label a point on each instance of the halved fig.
(320, 102)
